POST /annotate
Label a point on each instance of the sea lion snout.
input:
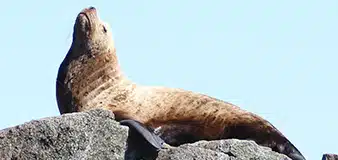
(90, 32)
(87, 19)
(89, 9)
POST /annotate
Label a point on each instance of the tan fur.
(94, 80)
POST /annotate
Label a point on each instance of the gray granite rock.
(86, 135)
(230, 149)
(95, 135)
(330, 157)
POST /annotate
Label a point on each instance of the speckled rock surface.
(87, 135)
(96, 135)
(230, 149)
(330, 157)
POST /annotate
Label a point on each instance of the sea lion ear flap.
(109, 33)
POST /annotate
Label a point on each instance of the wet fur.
(90, 78)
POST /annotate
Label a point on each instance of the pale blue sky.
(276, 59)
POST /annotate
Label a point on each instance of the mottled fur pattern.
(90, 77)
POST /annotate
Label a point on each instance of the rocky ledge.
(96, 135)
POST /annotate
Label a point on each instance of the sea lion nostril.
(89, 9)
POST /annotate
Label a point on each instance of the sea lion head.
(90, 62)
(91, 33)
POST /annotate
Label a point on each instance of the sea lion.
(90, 77)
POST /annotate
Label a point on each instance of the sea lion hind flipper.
(285, 146)
(290, 150)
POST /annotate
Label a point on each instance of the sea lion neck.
(90, 65)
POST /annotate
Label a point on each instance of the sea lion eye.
(104, 29)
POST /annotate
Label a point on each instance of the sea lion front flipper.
(146, 132)
(142, 141)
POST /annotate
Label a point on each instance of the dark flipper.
(290, 150)
(142, 142)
